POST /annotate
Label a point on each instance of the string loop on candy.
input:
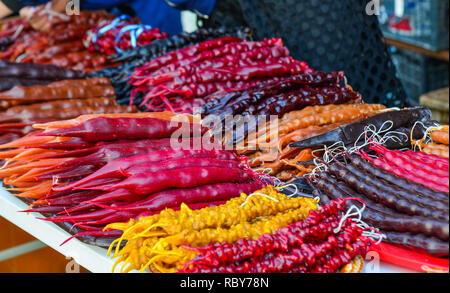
(135, 31)
(260, 194)
(368, 231)
(329, 155)
(296, 191)
(370, 136)
(426, 138)
(349, 214)
(18, 31)
(48, 10)
(120, 20)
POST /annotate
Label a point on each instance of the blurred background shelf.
(419, 73)
(438, 102)
(420, 23)
(417, 33)
(440, 55)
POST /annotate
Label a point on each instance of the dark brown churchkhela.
(418, 242)
(409, 214)
(348, 134)
(7, 83)
(276, 98)
(240, 101)
(30, 74)
(38, 71)
(73, 89)
(404, 202)
(381, 216)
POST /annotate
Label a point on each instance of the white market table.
(90, 257)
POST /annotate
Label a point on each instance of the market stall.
(130, 150)
(93, 258)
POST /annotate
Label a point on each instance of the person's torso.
(156, 13)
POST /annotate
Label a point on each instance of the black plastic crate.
(423, 23)
(418, 73)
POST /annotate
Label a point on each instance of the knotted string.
(370, 136)
(368, 231)
(426, 138)
(114, 23)
(135, 31)
(289, 185)
(257, 193)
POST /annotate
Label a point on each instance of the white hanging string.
(277, 182)
(48, 10)
(281, 187)
(21, 57)
(370, 135)
(264, 174)
(20, 28)
(345, 81)
(18, 31)
(266, 177)
(426, 138)
(372, 232)
(390, 109)
(329, 155)
(349, 214)
(257, 193)
(369, 231)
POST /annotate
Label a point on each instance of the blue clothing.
(204, 7)
(157, 13)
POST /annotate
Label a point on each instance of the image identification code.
(227, 283)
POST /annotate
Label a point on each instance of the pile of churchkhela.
(213, 152)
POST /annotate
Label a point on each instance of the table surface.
(90, 257)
